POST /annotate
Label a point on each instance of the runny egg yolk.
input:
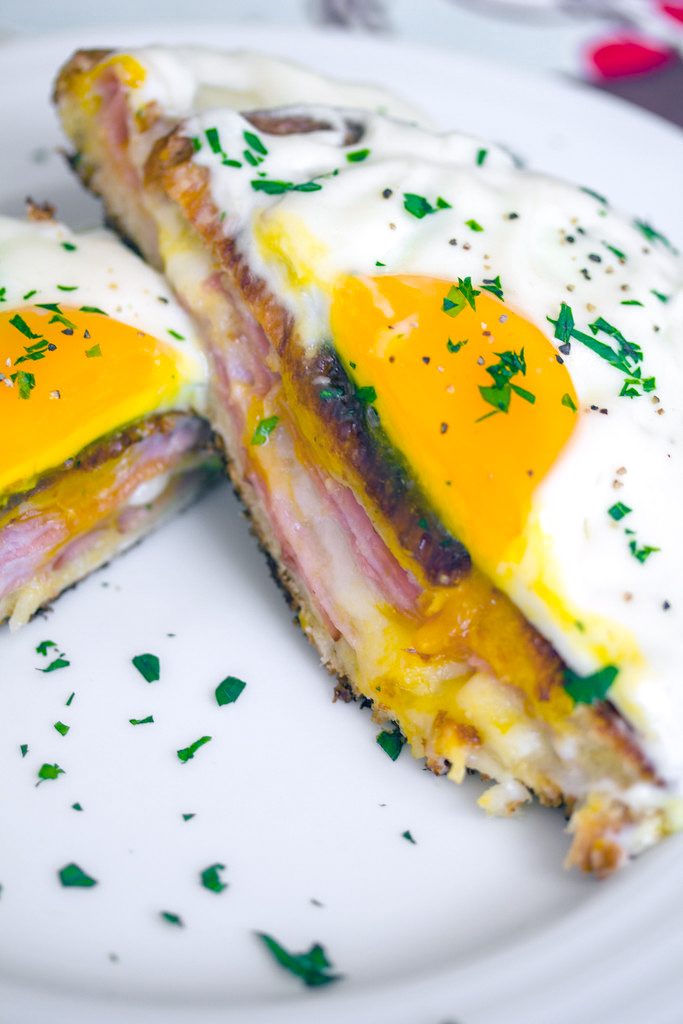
(473, 395)
(70, 378)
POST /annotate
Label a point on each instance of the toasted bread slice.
(389, 545)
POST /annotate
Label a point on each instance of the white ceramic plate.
(476, 923)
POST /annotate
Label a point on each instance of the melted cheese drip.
(478, 466)
(76, 397)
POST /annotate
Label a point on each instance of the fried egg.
(520, 342)
(91, 339)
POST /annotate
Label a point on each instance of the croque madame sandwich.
(101, 380)
(450, 393)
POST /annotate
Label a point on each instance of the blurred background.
(632, 48)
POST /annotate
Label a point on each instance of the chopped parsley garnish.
(94, 352)
(263, 430)
(473, 225)
(142, 721)
(641, 553)
(76, 807)
(26, 297)
(68, 287)
(175, 334)
(652, 235)
(312, 967)
(91, 309)
(616, 252)
(255, 142)
(186, 754)
(32, 353)
(69, 246)
(378, 263)
(3, 294)
(630, 302)
(50, 771)
(596, 195)
(196, 143)
(499, 394)
(189, 816)
(326, 394)
(568, 401)
(61, 728)
(358, 155)
(24, 749)
(73, 877)
(493, 285)
(20, 324)
(481, 157)
(148, 666)
(229, 690)
(408, 835)
(277, 188)
(455, 346)
(44, 646)
(660, 295)
(55, 665)
(586, 689)
(367, 394)
(420, 207)
(70, 699)
(626, 357)
(25, 382)
(210, 878)
(170, 918)
(214, 141)
(618, 511)
(391, 742)
(459, 296)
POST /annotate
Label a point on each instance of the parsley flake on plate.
(186, 754)
(49, 771)
(391, 742)
(409, 836)
(148, 666)
(211, 880)
(229, 690)
(73, 877)
(94, 352)
(170, 918)
(618, 511)
(61, 728)
(24, 749)
(142, 721)
(55, 665)
(312, 967)
(568, 401)
(44, 645)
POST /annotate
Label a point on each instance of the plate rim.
(419, 989)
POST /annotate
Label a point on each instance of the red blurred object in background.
(623, 57)
(674, 11)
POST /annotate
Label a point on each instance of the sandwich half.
(102, 383)
(449, 391)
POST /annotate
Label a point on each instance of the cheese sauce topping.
(91, 339)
